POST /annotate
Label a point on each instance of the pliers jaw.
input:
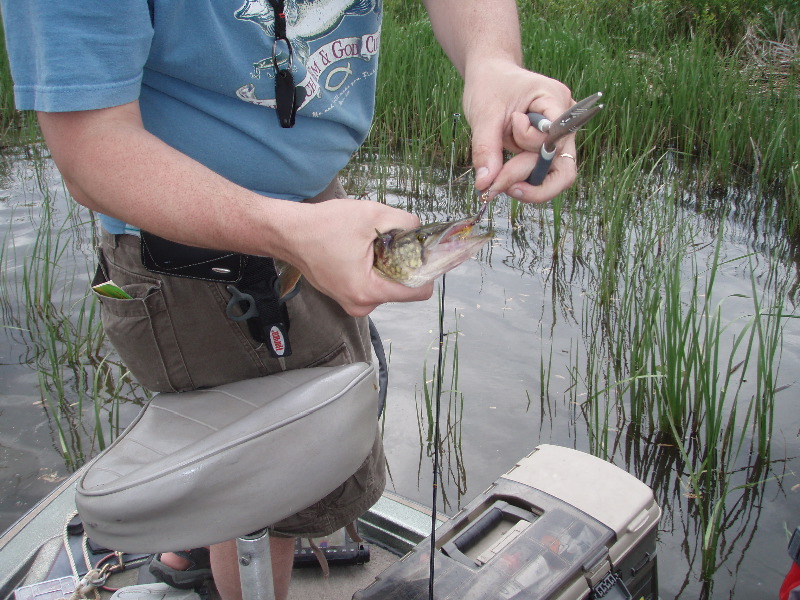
(573, 119)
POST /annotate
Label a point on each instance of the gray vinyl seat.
(202, 467)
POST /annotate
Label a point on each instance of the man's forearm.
(482, 39)
(112, 165)
(476, 29)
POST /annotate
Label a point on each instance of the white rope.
(94, 578)
(71, 558)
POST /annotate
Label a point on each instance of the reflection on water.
(64, 394)
(741, 492)
(440, 397)
(555, 334)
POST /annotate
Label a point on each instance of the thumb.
(487, 151)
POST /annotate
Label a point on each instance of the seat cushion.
(206, 466)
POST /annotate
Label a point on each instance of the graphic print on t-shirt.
(328, 57)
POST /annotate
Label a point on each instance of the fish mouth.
(457, 242)
(457, 231)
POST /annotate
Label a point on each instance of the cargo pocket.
(141, 331)
(340, 355)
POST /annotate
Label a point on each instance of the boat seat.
(202, 467)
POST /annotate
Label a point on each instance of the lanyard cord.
(280, 19)
(287, 99)
(436, 436)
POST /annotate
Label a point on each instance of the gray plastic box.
(560, 525)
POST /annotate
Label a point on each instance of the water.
(516, 347)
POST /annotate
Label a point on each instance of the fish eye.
(421, 237)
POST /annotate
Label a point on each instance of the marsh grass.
(668, 88)
(661, 353)
(16, 127)
(451, 467)
(8, 114)
(48, 306)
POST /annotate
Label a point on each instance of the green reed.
(661, 354)
(662, 330)
(16, 127)
(49, 306)
(451, 466)
(7, 113)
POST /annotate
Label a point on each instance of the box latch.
(611, 587)
(603, 582)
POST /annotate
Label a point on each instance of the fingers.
(383, 292)
(513, 177)
(562, 174)
(336, 254)
(487, 151)
(497, 110)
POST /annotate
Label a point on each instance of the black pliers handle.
(568, 122)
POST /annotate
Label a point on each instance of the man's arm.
(111, 164)
(482, 39)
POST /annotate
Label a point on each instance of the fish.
(305, 20)
(412, 257)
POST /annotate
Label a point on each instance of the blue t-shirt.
(203, 73)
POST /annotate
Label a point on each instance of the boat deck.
(32, 550)
(307, 582)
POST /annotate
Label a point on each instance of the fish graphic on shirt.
(305, 21)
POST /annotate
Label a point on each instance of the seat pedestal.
(255, 566)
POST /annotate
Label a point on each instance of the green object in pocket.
(111, 290)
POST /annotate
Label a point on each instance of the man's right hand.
(332, 247)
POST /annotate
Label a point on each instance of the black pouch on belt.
(257, 297)
(254, 291)
(171, 258)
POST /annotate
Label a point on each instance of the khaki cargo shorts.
(174, 336)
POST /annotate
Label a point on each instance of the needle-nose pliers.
(568, 122)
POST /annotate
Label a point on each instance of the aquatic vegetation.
(668, 87)
(45, 269)
(451, 468)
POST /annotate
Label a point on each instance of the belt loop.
(109, 239)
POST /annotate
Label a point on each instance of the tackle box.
(560, 525)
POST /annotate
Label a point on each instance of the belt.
(251, 281)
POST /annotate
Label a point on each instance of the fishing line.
(436, 431)
(436, 434)
(439, 361)
(456, 117)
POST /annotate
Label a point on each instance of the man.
(161, 116)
